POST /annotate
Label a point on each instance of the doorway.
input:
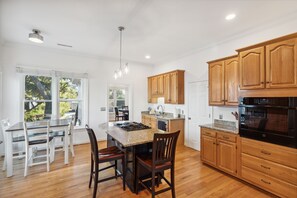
(118, 99)
(198, 110)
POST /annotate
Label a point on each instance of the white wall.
(100, 76)
(197, 69)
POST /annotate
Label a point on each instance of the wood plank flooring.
(193, 179)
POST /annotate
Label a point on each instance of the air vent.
(64, 45)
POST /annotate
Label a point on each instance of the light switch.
(103, 109)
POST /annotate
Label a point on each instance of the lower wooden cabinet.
(149, 121)
(219, 149)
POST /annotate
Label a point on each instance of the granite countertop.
(222, 125)
(166, 116)
(131, 138)
(224, 128)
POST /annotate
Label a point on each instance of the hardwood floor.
(193, 179)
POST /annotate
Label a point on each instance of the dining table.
(58, 124)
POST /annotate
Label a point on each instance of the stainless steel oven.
(269, 119)
(162, 124)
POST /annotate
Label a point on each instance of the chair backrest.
(4, 126)
(116, 110)
(125, 107)
(42, 132)
(164, 146)
(94, 145)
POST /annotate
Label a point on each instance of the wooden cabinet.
(269, 166)
(219, 149)
(150, 121)
(269, 69)
(168, 85)
(281, 64)
(149, 90)
(252, 68)
(223, 81)
(177, 125)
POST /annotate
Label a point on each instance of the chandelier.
(119, 72)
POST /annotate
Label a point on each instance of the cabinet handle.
(265, 152)
(266, 182)
(225, 137)
(268, 82)
(213, 143)
(262, 82)
(207, 133)
(266, 167)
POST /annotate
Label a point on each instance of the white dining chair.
(18, 150)
(32, 141)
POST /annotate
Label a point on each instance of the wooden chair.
(19, 139)
(162, 158)
(33, 141)
(110, 154)
(117, 115)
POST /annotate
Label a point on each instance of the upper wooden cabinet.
(281, 64)
(252, 68)
(223, 81)
(169, 85)
(269, 68)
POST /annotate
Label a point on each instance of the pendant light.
(119, 72)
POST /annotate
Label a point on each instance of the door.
(252, 69)
(198, 111)
(149, 90)
(173, 88)
(226, 156)
(231, 81)
(209, 150)
(160, 85)
(216, 83)
(167, 86)
(154, 85)
(281, 64)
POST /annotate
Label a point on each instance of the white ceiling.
(165, 29)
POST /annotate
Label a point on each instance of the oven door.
(271, 124)
(163, 125)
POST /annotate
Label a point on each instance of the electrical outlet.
(221, 116)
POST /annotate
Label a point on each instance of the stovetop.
(132, 126)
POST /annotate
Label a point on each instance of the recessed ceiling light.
(230, 16)
(35, 36)
(147, 56)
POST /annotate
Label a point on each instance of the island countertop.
(131, 138)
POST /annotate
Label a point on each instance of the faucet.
(162, 109)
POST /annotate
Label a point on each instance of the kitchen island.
(136, 141)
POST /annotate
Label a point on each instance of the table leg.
(66, 150)
(9, 155)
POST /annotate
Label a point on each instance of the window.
(117, 97)
(52, 97)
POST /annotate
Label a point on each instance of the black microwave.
(271, 120)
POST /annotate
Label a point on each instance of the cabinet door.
(160, 85)
(208, 150)
(143, 119)
(251, 67)
(231, 81)
(226, 156)
(216, 83)
(149, 90)
(281, 64)
(154, 85)
(167, 87)
(173, 88)
(154, 123)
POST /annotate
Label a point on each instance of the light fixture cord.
(120, 49)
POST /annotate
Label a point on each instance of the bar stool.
(110, 154)
(162, 158)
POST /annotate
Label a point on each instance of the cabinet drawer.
(209, 132)
(226, 136)
(279, 154)
(276, 170)
(269, 183)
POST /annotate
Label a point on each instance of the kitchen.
(17, 51)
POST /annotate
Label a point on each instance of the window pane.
(111, 91)
(120, 103)
(70, 88)
(37, 111)
(120, 93)
(38, 88)
(71, 109)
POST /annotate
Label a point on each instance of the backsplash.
(225, 123)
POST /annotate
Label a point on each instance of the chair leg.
(26, 163)
(172, 182)
(96, 181)
(4, 164)
(91, 174)
(47, 157)
(153, 183)
(115, 168)
(124, 172)
(52, 150)
(71, 145)
(137, 178)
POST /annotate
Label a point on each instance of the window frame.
(56, 96)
